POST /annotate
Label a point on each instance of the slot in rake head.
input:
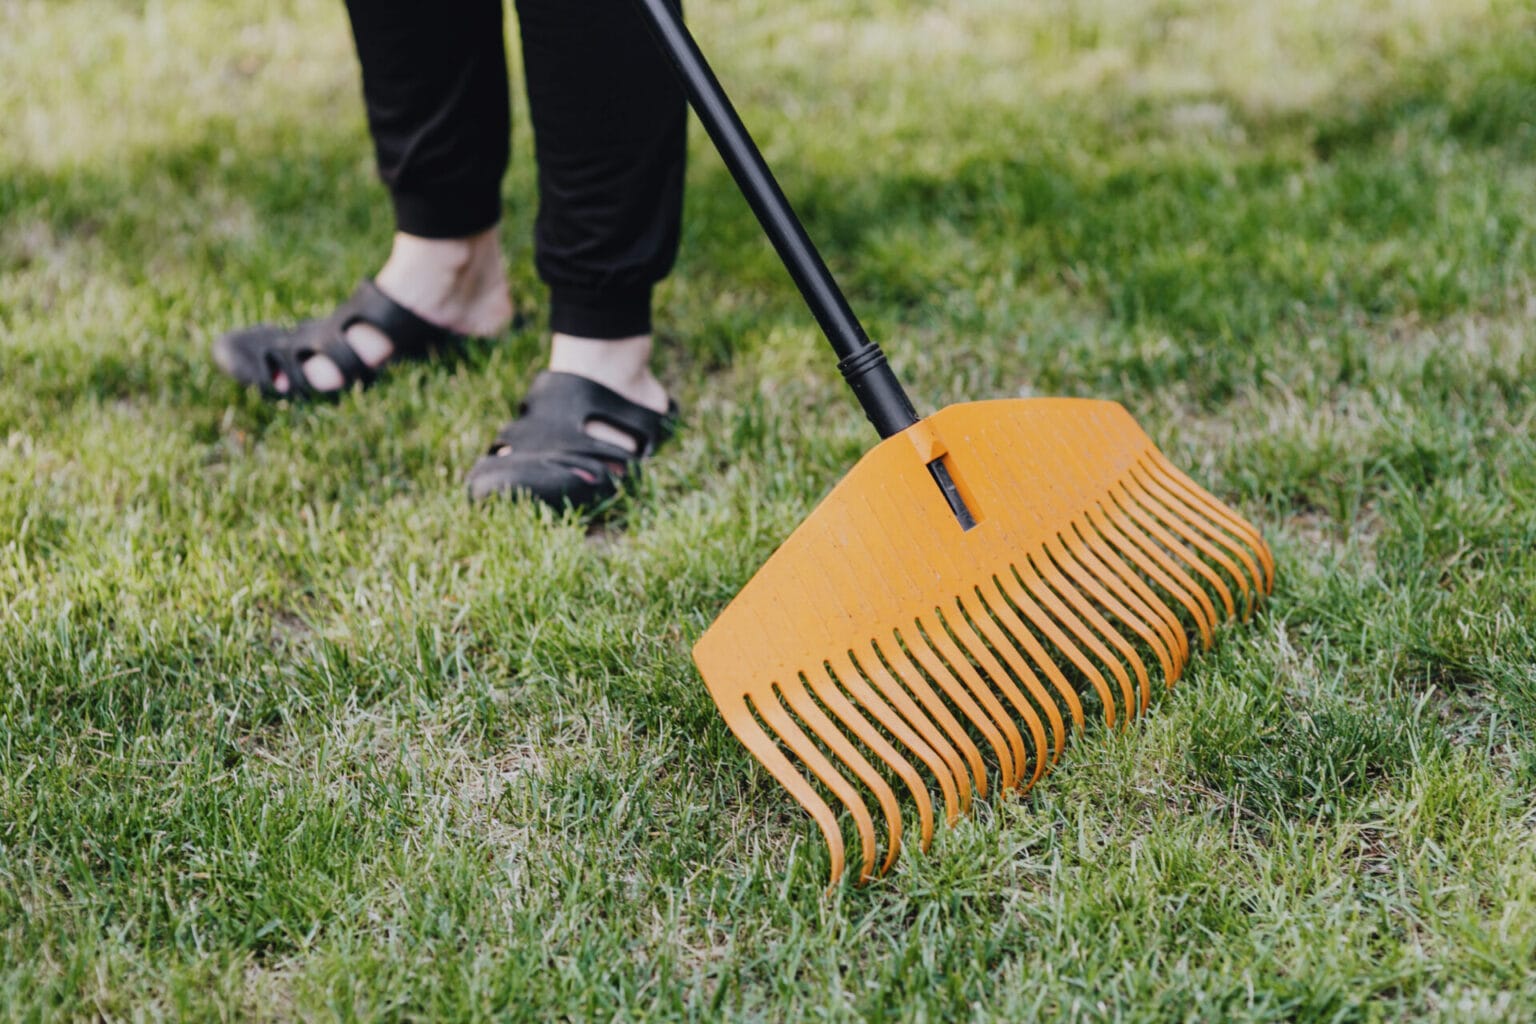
(884, 644)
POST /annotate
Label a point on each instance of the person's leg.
(609, 121)
(435, 86)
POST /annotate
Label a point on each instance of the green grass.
(287, 729)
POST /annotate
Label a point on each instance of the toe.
(323, 374)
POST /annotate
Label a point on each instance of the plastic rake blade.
(891, 655)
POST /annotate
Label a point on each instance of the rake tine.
(1126, 500)
(1107, 591)
(1195, 534)
(883, 672)
(1158, 566)
(796, 694)
(866, 544)
(1146, 600)
(1022, 635)
(1004, 649)
(972, 643)
(824, 686)
(924, 740)
(1201, 521)
(1181, 483)
(961, 665)
(1021, 596)
(1084, 607)
(1199, 515)
(903, 522)
(828, 686)
(1023, 497)
(1039, 584)
(1077, 561)
(777, 719)
(1169, 651)
(994, 722)
(762, 747)
(927, 734)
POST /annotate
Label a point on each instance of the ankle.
(438, 255)
(622, 365)
(458, 283)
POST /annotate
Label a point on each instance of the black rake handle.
(861, 361)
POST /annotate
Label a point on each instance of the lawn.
(288, 729)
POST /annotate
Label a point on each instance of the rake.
(986, 577)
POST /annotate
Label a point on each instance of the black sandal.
(553, 459)
(256, 355)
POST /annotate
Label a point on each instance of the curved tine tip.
(850, 715)
(1024, 588)
(992, 722)
(1159, 566)
(758, 743)
(962, 762)
(911, 726)
(939, 652)
(1105, 561)
(1090, 632)
(885, 796)
(1217, 544)
(1132, 503)
(1182, 483)
(1079, 566)
(979, 684)
(1003, 640)
(971, 642)
(1002, 603)
(776, 717)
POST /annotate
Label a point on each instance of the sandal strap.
(290, 359)
(254, 354)
(554, 415)
(340, 351)
(554, 459)
(412, 336)
(324, 337)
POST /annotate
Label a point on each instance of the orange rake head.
(888, 640)
(997, 565)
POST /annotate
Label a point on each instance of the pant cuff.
(446, 215)
(607, 313)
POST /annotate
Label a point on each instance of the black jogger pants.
(609, 139)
